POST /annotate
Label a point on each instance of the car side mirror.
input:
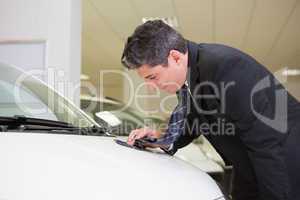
(108, 120)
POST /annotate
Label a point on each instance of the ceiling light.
(291, 72)
(84, 77)
(171, 21)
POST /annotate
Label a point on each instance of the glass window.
(21, 94)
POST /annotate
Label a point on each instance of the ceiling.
(269, 30)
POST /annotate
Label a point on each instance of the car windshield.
(130, 118)
(22, 94)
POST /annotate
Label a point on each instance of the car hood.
(194, 155)
(52, 166)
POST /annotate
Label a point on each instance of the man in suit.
(225, 94)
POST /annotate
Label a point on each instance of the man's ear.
(175, 55)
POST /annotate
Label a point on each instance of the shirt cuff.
(170, 150)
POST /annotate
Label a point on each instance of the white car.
(50, 149)
(102, 110)
(200, 153)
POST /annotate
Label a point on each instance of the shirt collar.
(192, 53)
(193, 60)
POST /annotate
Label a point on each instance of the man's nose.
(151, 85)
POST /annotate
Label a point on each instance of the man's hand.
(142, 133)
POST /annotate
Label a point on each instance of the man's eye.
(152, 78)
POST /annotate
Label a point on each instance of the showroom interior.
(73, 49)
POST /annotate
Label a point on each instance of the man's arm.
(190, 132)
(176, 129)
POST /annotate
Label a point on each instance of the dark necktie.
(176, 122)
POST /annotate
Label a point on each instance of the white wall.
(56, 21)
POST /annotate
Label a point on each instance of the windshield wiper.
(23, 123)
(94, 130)
(18, 120)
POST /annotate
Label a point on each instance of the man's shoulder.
(213, 58)
(221, 51)
(218, 62)
(213, 50)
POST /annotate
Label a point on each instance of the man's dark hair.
(150, 44)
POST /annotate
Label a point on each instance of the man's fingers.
(132, 137)
(141, 133)
(135, 134)
(138, 134)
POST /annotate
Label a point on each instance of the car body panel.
(52, 166)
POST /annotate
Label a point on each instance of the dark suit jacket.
(263, 153)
